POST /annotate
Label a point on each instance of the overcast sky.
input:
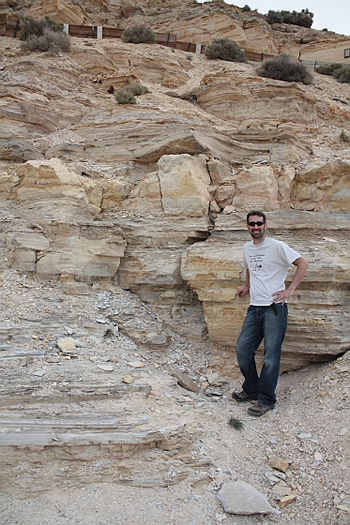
(333, 15)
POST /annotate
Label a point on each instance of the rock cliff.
(153, 196)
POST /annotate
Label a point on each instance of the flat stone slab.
(241, 498)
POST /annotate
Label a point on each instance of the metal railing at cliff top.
(12, 28)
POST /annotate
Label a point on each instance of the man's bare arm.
(243, 290)
(301, 263)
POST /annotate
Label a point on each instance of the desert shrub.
(224, 49)
(35, 27)
(342, 74)
(284, 67)
(302, 18)
(246, 9)
(123, 97)
(140, 34)
(50, 41)
(136, 89)
(274, 17)
(327, 69)
(344, 136)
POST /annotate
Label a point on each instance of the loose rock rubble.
(96, 428)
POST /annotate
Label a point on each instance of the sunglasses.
(258, 223)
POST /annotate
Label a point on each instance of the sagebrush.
(136, 89)
(302, 18)
(343, 74)
(344, 136)
(43, 35)
(139, 34)
(50, 41)
(339, 71)
(327, 69)
(123, 97)
(284, 67)
(224, 49)
(36, 27)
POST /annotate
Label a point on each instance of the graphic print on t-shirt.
(256, 262)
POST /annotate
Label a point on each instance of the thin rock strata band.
(266, 262)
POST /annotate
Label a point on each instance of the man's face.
(256, 231)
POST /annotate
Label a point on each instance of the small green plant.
(235, 423)
(50, 41)
(140, 34)
(344, 136)
(343, 74)
(136, 89)
(123, 97)
(327, 69)
(287, 68)
(224, 49)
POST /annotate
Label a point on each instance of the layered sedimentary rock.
(153, 196)
(214, 270)
(65, 240)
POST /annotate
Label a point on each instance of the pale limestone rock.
(87, 259)
(184, 182)
(205, 28)
(48, 180)
(114, 82)
(113, 193)
(278, 463)
(221, 95)
(185, 381)
(224, 194)
(285, 176)
(68, 345)
(23, 248)
(288, 499)
(145, 197)
(219, 172)
(240, 498)
(61, 11)
(256, 188)
(259, 39)
(323, 187)
(214, 207)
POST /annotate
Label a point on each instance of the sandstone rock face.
(61, 11)
(153, 196)
(68, 242)
(214, 268)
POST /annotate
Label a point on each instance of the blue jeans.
(268, 323)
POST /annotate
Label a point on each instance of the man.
(266, 263)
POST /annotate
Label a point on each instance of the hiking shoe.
(259, 410)
(241, 397)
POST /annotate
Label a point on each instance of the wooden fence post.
(16, 28)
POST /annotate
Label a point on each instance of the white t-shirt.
(268, 264)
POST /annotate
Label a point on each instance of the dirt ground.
(109, 386)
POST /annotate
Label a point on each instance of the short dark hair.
(257, 213)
